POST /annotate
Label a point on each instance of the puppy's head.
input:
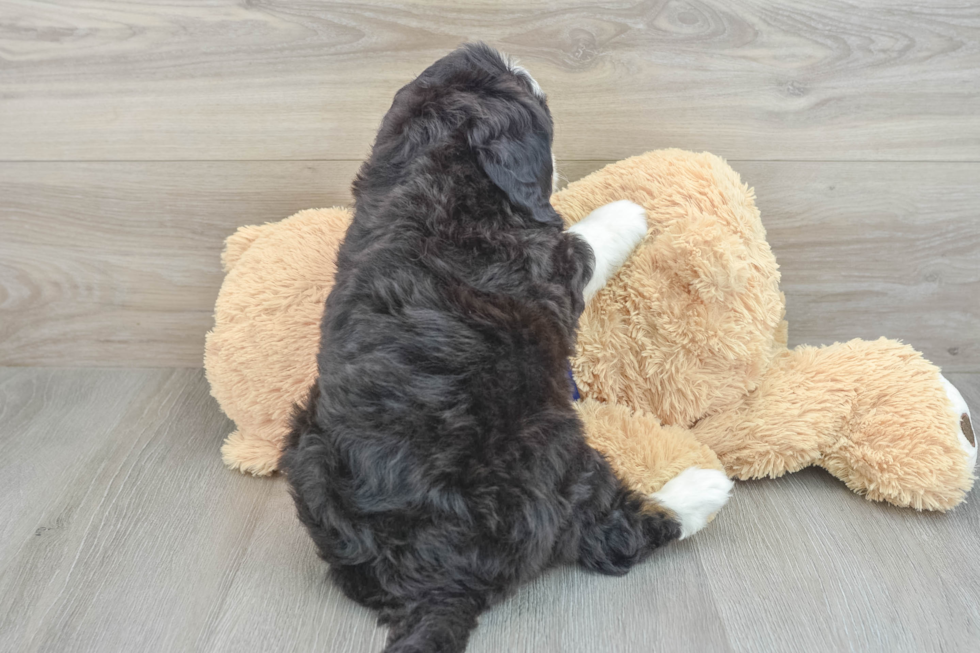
(474, 103)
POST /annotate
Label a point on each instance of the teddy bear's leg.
(906, 441)
(874, 414)
(643, 453)
(783, 425)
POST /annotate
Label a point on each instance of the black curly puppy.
(439, 461)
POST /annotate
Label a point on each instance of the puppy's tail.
(434, 625)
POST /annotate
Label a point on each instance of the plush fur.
(691, 330)
(438, 460)
(698, 303)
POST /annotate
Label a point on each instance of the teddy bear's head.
(260, 358)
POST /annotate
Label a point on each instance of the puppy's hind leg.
(624, 532)
(620, 527)
(360, 584)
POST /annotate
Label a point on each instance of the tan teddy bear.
(681, 361)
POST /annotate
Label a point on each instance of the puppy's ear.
(518, 161)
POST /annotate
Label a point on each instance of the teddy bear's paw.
(612, 231)
(965, 432)
(694, 496)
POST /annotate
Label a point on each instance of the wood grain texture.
(130, 536)
(872, 250)
(141, 544)
(288, 79)
(117, 264)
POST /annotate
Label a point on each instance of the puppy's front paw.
(612, 231)
(626, 217)
(694, 496)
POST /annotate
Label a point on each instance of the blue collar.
(571, 379)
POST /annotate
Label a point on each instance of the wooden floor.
(136, 135)
(121, 531)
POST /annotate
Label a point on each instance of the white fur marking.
(521, 70)
(612, 231)
(694, 495)
(960, 407)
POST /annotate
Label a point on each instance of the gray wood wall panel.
(118, 264)
(813, 79)
(134, 136)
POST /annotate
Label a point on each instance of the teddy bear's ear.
(237, 243)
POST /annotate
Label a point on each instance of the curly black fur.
(439, 461)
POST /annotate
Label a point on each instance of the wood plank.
(141, 546)
(118, 263)
(868, 251)
(817, 79)
(805, 565)
(664, 604)
(143, 542)
(45, 450)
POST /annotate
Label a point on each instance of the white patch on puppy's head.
(522, 71)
